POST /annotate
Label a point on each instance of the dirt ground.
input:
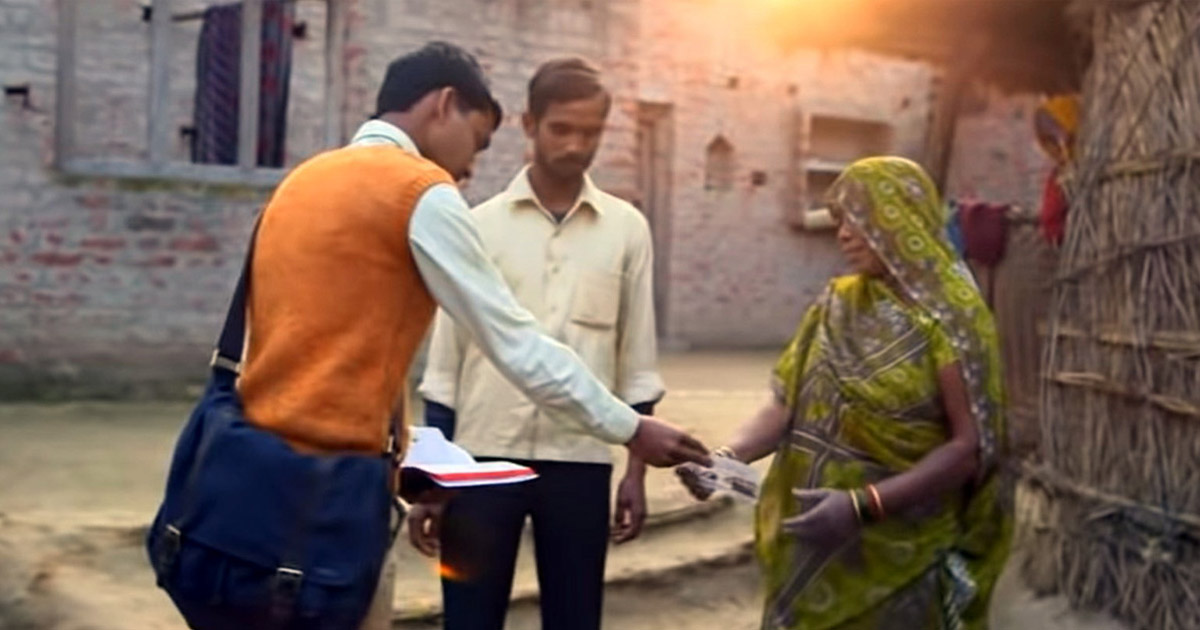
(79, 482)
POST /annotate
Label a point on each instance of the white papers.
(731, 476)
(431, 455)
(428, 446)
(478, 474)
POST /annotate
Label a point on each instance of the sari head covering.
(860, 379)
(893, 203)
(1056, 122)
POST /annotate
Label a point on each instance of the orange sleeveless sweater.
(336, 306)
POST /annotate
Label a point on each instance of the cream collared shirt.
(588, 281)
(450, 257)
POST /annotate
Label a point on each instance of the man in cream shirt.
(580, 260)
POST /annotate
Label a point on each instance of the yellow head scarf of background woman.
(1056, 123)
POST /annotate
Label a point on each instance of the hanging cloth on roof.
(985, 232)
(218, 83)
(1052, 217)
(985, 235)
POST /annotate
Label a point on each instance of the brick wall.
(996, 157)
(739, 275)
(107, 287)
(511, 38)
(114, 287)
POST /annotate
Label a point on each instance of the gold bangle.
(876, 502)
(726, 451)
(857, 506)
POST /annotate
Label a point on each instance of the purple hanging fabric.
(218, 82)
(274, 80)
(215, 114)
(985, 228)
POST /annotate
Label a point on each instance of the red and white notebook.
(433, 458)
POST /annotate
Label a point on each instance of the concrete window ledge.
(175, 172)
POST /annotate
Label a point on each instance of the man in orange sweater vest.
(356, 248)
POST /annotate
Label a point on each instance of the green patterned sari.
(860, 381)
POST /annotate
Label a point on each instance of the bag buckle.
(287, 588)
(225, 363)
(166, 551)
(287, 581)
(169, 547)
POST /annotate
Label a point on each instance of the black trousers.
(481, 531)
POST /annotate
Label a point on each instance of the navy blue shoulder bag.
(253, 534)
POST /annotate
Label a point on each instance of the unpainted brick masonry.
(113, 287)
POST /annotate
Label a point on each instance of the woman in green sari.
(883, 507)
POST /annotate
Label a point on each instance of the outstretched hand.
(660, 443)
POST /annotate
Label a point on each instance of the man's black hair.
(561, 81)
(436, 65)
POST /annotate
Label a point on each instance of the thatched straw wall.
(1121, 406)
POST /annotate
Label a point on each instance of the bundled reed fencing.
(1119, 522)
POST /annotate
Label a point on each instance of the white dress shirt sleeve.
(638, 380)
(450, 257)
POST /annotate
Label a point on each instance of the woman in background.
(1056, 123)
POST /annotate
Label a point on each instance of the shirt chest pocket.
(597, 299)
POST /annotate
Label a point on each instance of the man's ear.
(447, 100)
(529, 123)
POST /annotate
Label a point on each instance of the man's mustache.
(581, 161)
